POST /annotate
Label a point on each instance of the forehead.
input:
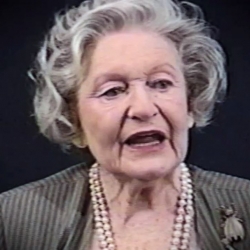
(133, 53)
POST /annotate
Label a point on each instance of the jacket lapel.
(77, 219)
(207, 217)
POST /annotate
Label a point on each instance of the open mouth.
(145, 138)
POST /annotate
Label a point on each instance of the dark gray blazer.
(55, 213)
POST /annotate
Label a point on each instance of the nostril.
(141, 115)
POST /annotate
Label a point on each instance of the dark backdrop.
(26, 156)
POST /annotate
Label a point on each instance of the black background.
(26, 156)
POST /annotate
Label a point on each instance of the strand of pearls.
(185, 212)
(183, 221)
(100, 207)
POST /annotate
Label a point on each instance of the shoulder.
(214, 190)
(220, 181)
(214, 193)
(35, 214)
(66, 178)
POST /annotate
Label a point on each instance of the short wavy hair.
(64, 57)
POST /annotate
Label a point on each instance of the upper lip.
(146, 132)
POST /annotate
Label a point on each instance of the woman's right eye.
(114, 92)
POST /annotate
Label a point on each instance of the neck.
(129, 198)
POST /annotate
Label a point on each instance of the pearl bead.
(94, 175)
(98, 218)
(190, 209)
(173, 248)
(187, 227)
(188, 218)
(110, 240)
(101, 237)
(106, 226)
(183, 247)
(100, 231)
(184, 182)
(95, 170)
(105, 219)
(190, 202)
(175, 241)
(99, 194)
(179, 218)
(184, 196)
(181, 210)
(103, 243)
(182, 202)
(96, 213)
(104, 213)
(184, 169)
(108, 233)
(177, 233)
(184, 241)
(111, 247)
(102, 207)
(178, 226)
(98, 224)
(94, 199)
(186, 236)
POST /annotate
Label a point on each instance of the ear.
(190, 120)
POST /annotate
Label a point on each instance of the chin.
(149, 172)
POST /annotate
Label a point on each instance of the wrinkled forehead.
(134, 53)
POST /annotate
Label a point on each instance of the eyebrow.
(173, 71)
(109, 76)
(120, 77)
(160, 66)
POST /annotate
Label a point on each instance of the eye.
(161, 84)
(113, 92)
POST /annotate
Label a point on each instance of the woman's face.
(133, 105)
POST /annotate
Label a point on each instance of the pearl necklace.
(184, 212)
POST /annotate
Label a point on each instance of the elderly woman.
(128, 79)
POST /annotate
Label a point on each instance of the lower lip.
(147, 147)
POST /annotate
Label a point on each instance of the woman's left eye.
(161, 84)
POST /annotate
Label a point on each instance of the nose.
(141, 106)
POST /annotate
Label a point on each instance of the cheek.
(177, 117)
(88, 118)
(175, 111)
(100, 123)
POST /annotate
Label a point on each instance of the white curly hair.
(64, 57)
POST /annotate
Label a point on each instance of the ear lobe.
(190, 120)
